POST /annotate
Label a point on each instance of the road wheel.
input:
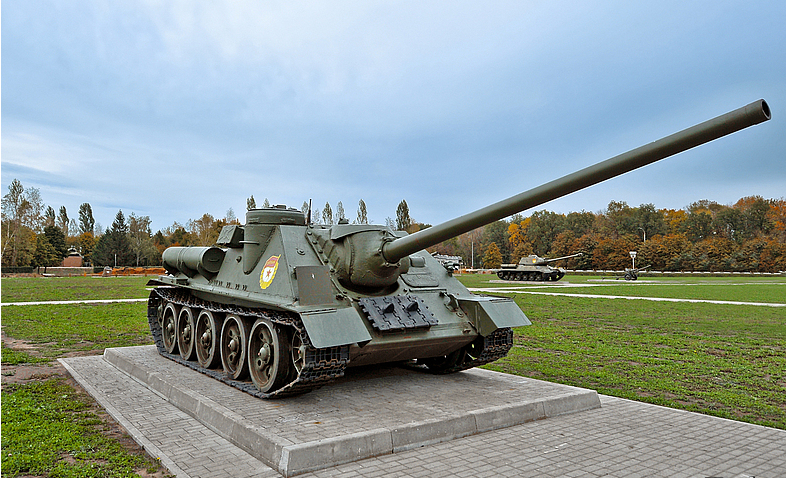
(185, 329)
(169, 328)
(206, 339)
(234, 346)
(269, 355)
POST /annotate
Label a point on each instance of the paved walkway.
(622, 438)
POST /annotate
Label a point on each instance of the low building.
(74, 259)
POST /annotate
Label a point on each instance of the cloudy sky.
(175, 109)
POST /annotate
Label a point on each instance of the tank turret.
(280, 306)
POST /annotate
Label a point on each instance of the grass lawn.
(723, 360)
(59, 329)
(49, 430)
(33, 289)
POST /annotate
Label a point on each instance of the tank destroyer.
(280, 306)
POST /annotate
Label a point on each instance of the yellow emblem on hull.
(269, 271)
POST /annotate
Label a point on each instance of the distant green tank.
(280, 305)
(534, 268)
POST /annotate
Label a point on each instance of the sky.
(179, 108)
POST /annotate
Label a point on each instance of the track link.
(321, 365)
(496, 346)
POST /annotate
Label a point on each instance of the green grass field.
(722, 360)
(34, 289)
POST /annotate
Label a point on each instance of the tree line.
(748, 236)
(705, 236)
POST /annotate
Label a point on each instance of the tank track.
(519, 276)
(321, 365)
(495, 346)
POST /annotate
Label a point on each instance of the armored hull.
(280, 306)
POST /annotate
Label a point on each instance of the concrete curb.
(291, 458)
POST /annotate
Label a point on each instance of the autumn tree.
(517, 238)
(492, 258)
(21, 219)
(86, 242)
(204, 231)
(142, 246)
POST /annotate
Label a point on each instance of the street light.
(643, 233)
(633, 255)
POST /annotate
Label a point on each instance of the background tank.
(280, 306)
(533, 267)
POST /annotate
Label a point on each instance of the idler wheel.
(269, 356)
(185, 328)
(206, 339)
(169, 327)
(234, 343)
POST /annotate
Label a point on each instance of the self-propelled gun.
(280, 306)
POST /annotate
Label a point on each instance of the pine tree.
(45, 255)
(54, 235)
(114, 247)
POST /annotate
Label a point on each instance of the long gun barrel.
(555, 259)
(736, 120)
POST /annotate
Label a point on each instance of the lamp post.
(643, 233)
(633, 255)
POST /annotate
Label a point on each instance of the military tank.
(280, 306)
(534, 268)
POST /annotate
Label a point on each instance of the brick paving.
(622, 438)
